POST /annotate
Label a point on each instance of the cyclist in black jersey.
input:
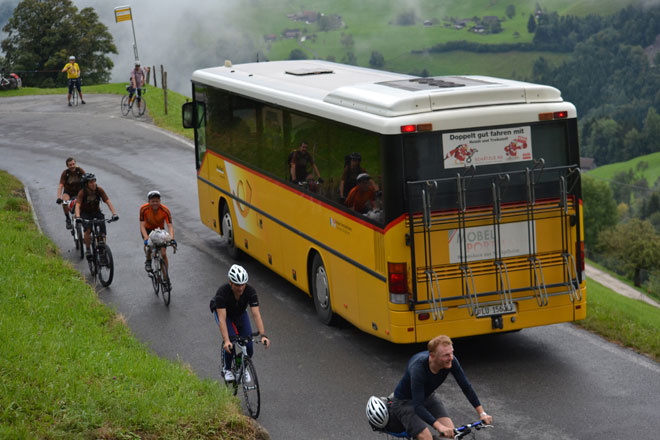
(230, 306)
(417, 406)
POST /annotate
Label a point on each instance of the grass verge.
(623, 320)
(69, 366)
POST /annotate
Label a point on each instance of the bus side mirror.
(188, 115)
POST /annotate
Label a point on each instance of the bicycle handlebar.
(464, 430)
(245, 339)
(96, 221)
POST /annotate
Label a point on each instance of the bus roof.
(325, 88)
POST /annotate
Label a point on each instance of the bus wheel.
(228, 233)
(321, 291)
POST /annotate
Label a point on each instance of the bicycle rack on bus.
(436, 306)
(470, 296)
(536, 268)
(499, 183)
(570, 268)
(502, 272)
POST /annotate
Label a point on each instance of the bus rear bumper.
(407, 327)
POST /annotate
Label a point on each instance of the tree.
(636, 246)
(42, 35)
(406, 18)
(622, 185)
(600, 210)
(349, 58)
(298, 54)
(531, 24)
(510, 11)
(347, 40)
(377, 59)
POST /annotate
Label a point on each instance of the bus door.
(482, 242)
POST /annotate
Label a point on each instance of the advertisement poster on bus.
(480, 242)
(487, 147)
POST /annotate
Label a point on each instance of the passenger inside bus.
(362, 197)
(352, 170)
(299, 161)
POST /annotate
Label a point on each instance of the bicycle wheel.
(139, 107)
(80, 241)
(251, 389)
(125, 108)
(165, 285)
(155, 280)
(105, 264)
(74, 97)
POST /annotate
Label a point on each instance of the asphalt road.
(554, 382)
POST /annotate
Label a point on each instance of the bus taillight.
(550, 116)
(398, 282)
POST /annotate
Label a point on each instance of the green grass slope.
(651, 173)
(69, 366)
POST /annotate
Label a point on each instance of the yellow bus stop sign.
(123, 13)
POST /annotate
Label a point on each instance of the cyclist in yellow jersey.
(72, 70)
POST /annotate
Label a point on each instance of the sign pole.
(124, 13)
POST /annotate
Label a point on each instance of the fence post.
(148, 75)
(154, 69)
(164, 81)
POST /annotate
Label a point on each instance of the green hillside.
(372, 26)
(652, 173)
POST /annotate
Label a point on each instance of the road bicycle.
(394, 428)
(75, 93)
(160, 277)
(128, 104)
(459, 433)
(245, 375)
(76, 230)
(100, 263)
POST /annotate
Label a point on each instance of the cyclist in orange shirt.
(154, 215)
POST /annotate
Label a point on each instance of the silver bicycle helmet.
(238, 275)
(377, 412)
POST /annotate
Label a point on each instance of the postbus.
(471, 221)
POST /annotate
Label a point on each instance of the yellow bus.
(467, 219)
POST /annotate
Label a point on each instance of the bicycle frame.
(96, 241)
(158, 268)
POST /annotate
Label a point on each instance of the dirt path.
(621, 288)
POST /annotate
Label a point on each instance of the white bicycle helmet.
(377, 412)
(152, 194)
(72, 58)
(238, 275)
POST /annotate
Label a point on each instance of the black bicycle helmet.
(356, 156)
(87, 178)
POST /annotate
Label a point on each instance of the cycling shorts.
(74, 82)
(404, 410)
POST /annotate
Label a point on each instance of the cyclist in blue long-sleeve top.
(416, 405)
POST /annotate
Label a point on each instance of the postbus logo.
(243, 192)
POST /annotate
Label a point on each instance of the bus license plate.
(495, 309)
